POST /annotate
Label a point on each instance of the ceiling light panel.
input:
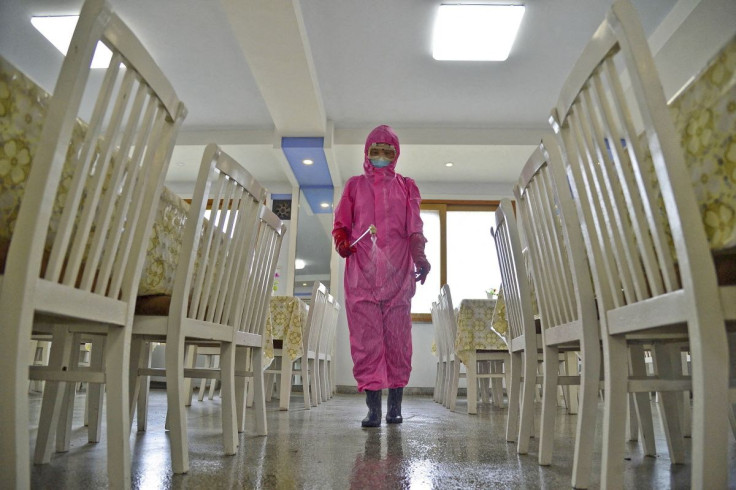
(475, 32)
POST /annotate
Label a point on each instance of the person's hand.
(416, 248)
(422, 269)
(342, 244)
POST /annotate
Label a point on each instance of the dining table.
(286, 322)
(475, 333)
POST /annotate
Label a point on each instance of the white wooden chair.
(475, 357)
(437, 395)
(249, 337)
(524, 342)
(212, 286)
(448, 327)
(285, 369)
(326, 347)
(565, 298)
(645, 288)
(82, 274)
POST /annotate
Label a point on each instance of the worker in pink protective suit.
(380, 279)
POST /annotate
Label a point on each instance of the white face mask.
(380, 162)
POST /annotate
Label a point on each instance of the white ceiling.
(251, 71)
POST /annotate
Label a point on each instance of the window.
(461, 251)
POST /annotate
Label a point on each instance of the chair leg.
(145, 388)
(512, 421)
(632, 422)
(305, 382)
(190, 360)
(117, 365)
(571, 391)
(285, 385)
(472, 379)
(52, 397)
(176, 396)
(259, 400)
(686, 413)
(229, 411)
(641, 401)
(528, 393)
(203, 381)
(614, 412)
(590, 375)
(95, 391)
(454, 382)
(314, 383)
(549, 405)
(497, 367)
(66, 411)
(241, 365)
(137, 346)
(213, 382)
(669, 412)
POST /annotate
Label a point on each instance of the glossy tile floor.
(325, 448)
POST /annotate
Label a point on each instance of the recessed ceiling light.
(325, 205)
(299, 264)
(179, 164)
(475, 32)
(59, 30)
(307, 161)
(449, 164)
(304, 284)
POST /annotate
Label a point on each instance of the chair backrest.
(259, 284)
(448, 318)
(643, 232)
(514, 280)
(310, 337)
(559, 269)
(217, 251)
(110, 187)
(328, 325)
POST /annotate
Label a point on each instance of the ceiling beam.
(272, 37)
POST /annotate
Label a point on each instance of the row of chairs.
(620, 263)
(315, 367)
(73, 264)
(481, 366)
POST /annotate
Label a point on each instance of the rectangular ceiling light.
(474, 32)
(59, 30)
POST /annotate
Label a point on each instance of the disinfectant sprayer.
(371, 229)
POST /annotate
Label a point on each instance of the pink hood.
(381, 134)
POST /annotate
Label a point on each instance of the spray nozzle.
(371, 229)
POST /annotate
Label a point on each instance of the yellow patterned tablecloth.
(474, 332)
(704, 113)
(286, 321)
(23, 106)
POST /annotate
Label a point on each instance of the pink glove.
(342, 244)
(416, 248)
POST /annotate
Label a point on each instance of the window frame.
(444, 206)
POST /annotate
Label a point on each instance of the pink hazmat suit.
(379, 279)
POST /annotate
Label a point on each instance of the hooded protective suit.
(379, 280)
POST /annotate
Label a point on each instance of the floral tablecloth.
(286, 321)
(474, 328)
(23, 106)
(704, 113)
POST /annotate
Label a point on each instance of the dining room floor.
(326, 448)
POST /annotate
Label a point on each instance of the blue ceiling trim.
(316, 196)
(280, 197)
(314, 180)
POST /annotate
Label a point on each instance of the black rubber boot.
(393, 413)
(373, 400)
